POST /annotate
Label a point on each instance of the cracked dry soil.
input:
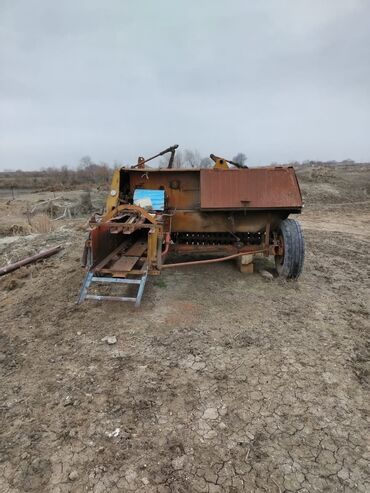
(221, 382)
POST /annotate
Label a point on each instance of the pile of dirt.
(322, 185)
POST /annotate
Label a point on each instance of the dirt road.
(221, 382)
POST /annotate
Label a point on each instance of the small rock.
(114, 433)
(145, 481)
(210, 434)
(198, 365)
(210, 413)
(130, 475)
(68, 401)
(79, 333)
(343, 474)
(109, 339)
(118, 354)
(178, 462)
(266, 274)
(222, 411)
(73, 475)
(203, 426)
(329, 377)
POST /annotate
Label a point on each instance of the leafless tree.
(206, 162)
(85, 161)
(240, 158)
(187, 158)
(192, 158)
(178, 161)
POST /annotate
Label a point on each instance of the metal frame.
(90, 278)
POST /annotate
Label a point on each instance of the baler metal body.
(226, 212)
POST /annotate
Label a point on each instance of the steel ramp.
(91, 277)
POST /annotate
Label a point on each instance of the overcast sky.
(280, 80)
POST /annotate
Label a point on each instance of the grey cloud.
(276, 79)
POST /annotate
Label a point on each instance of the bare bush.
(85, 202)
(41, 223)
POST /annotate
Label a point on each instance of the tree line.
(91, 173)
(53, 177)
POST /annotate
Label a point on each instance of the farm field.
(219, 382)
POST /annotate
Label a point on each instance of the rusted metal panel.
(103, 242)
(253, 188)
(110, 257)
(181, 187)
(219, 221)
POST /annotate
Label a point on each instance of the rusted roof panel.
(252, 188)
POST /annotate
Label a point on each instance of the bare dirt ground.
(220, 382)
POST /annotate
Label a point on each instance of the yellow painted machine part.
(152, 245)
(113, 197)
(221, 164)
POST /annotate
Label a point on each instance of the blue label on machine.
(156, 198)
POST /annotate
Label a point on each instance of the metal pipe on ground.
(210, 261)
(29, 260)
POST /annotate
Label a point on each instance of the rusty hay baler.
(228, 212)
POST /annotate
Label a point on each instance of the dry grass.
(41, 223)
(15, 229)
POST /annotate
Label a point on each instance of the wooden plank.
(109, 257)
(123, 264)
(137, 249)
(245, 264)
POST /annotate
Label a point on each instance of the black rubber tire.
(290, 265)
